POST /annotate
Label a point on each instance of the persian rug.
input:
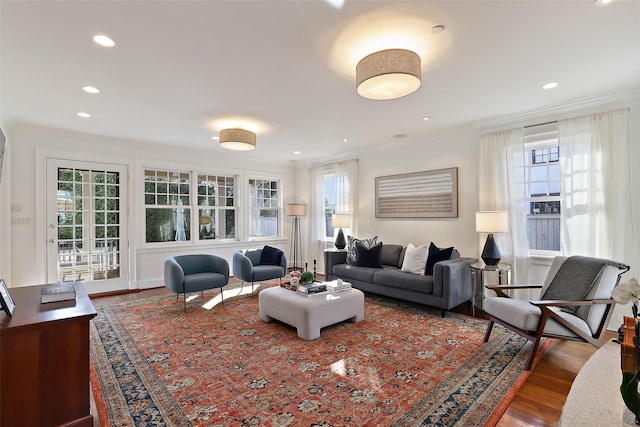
(218, 364)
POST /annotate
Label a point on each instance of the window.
(329, 200)
(216, 207)
(543, 190)
(264, 208)
(167, 206)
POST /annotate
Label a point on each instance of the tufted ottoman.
(310, 313)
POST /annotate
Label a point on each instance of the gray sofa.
(448, 287)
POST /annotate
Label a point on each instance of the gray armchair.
(195, 273)
(562, 311)
(248, 268)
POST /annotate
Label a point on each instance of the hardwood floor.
(538, 403)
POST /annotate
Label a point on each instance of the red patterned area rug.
(220, 365)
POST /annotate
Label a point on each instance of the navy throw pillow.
(271, 256)
(368, 257)
(436, 254)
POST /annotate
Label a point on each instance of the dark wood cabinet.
(44, 360)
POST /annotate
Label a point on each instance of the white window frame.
(546, 137)
(218, 210)
(276, 205)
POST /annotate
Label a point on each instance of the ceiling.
(182, 70)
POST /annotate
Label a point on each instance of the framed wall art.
(428, 194)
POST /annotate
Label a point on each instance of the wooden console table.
(44, 360)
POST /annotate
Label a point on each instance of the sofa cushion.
(351, 272)
(351, 246)
(402, 280)
(368, 257)
(415, 258)
(391, 255)
(271, 256)
(436, 254)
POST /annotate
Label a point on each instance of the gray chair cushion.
(197, 282)
(267, 272)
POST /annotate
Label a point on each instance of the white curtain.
(595, 186)
(316, 214)
(502, 188)
(346, 191)
(346, 174)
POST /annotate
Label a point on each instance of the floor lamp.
(296, 210)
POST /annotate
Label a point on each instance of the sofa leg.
(442, 313)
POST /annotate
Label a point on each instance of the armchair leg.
(221, 295)
(489, 329)
(185, 301)
(252, 287)
(534, 350)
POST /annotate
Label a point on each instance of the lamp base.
(340, 243)
(490, 253)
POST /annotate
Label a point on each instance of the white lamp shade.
(341, 220)
(492, 222)
(296, 209)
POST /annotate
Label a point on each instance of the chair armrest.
(283, 263)
(555, 303)
(173, 276)
(242, 267)
(219, 265)
(499, 289)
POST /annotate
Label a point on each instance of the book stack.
(60, 292)
(338, 286)
(313, 289)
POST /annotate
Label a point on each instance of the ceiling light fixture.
(388, 74)
(103, 40)
(84, 115)
(90, 89)
(237, 139)
(426, 118)
(550, 85)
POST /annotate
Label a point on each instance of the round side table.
(478, 271)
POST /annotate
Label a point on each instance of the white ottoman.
(310, 313)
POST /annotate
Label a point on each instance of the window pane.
(539, 173)
(162, 224)
(554, 172)
(538, 189)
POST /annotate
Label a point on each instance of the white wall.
(32, 144)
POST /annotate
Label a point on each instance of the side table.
(478, 270)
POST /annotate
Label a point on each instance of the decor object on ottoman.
(195, 273)
(448, 286)
(576, 303)
(308, 314)
(258, 265)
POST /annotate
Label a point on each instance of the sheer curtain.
(595, 186)
(502, 188)
(346, 185)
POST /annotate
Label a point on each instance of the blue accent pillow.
(271, 256)
(436, 254)
(368, 257)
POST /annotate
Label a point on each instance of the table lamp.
(491, 222)
(340, 221)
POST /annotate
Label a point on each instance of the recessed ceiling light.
(437, 29)
(103, 40)
(345, 140)
(425, 118)
(84, 115)
(550, 85)
(90, 89)
(215, 137)
(296, 152)
(400, 135)
(599, 2)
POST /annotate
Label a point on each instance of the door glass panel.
(89, 246)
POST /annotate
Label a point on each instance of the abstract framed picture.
(5, 299)
(428, 194)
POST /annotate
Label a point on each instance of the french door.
(87, 224)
